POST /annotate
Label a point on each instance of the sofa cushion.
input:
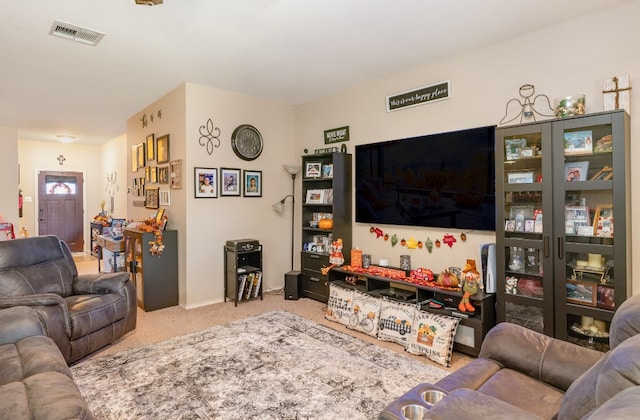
(90, 313)
(30, 356)
(34, 265)
(618, 370)
(53, 395)
(524, 391)
(626, 322)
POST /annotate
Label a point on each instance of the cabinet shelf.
(243, 276)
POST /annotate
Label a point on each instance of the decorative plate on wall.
(246, 141)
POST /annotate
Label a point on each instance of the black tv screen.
(444, 180)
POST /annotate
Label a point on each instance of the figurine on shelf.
(470, 285)
(335, 258)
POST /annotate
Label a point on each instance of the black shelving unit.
(243, 271)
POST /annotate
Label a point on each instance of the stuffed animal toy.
(470, 285)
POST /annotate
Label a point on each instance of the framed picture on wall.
(175, 174)
(151, 147)
(252, 183)
(206, 182)
(162, 149)
(152, 198)
(229, 182)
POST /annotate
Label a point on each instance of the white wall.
(572, 58)
(8, 187)
(114, 165)
(205, 224)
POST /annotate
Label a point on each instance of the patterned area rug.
(273, 366)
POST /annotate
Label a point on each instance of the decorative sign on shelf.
(420, 96)
(336, 135)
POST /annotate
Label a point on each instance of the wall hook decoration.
(206, 135)
(527, 108)
(144, 120)
(61, 159)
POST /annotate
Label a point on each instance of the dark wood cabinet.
(326, 193)
(155, 276)
(561, 270)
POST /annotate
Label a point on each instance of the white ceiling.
(291, 51)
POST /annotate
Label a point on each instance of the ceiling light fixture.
(65, 138)
(148, 2)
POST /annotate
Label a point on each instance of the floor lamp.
(293, 170)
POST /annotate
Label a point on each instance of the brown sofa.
(81, 313)
(523, 374)
(35, 381)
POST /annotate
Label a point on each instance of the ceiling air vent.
(75, 33)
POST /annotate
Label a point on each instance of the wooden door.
(60, 207)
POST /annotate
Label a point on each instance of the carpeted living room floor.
(170, 322)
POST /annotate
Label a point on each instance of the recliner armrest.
(464, 403)
(19, 322)
(101, 283)
(552, 361)
(41, 300)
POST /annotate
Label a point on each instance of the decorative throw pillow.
(364, 314)
(339, 304)
(396, 320)
(432, 335)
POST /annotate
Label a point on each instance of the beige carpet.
(163, 324)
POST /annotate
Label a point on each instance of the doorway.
(60, 207)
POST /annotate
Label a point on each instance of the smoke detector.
(149, 2)
(75, 33)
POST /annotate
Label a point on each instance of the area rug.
(273, 366)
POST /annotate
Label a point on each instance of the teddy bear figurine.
(470, 285)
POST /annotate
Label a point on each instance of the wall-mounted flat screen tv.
(444, 180)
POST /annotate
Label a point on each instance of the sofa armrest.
(101, 283)
(19, 322)
(45, 305)
(463, 403)
(546, 359)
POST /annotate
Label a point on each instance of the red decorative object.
(449, 240)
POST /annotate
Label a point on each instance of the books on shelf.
(249, 285)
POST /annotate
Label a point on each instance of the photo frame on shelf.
(229, 182)
(576, 171)
(252, 183)
(528, 152)
(510, 225)
(162, 149)
(582, 292)
(327, 170)
(313, 170)
(159, 215)
(315, 197)
(205, 182)
(576, 218)
(175, 174)
(578, 142)
(151, 198)
(151, 147)
(604, 174)
(606, 297)
(513, 147)
(603, 221)
(520, 177)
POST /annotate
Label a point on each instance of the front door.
(60, 210)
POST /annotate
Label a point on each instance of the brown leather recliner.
(522, 374)
(81, 313)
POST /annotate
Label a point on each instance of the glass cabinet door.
(591, 261)
(524, 196)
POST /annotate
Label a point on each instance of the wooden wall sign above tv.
(420, 96)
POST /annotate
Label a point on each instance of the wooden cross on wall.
(613, 90)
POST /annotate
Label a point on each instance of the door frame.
(36, 200)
